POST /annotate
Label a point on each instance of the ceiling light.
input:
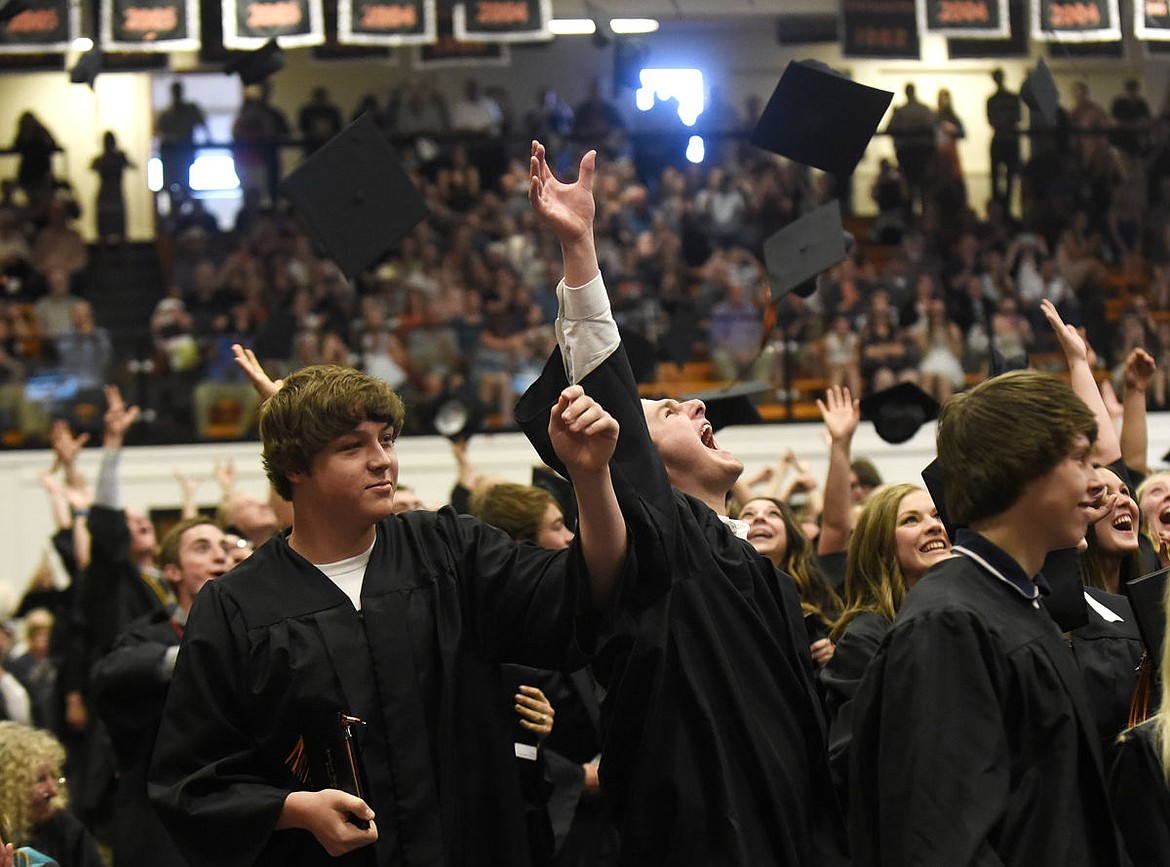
(572, 26)
(633, 25)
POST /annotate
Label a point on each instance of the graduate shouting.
(714, 749)
(395, 620)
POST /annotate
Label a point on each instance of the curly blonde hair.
(23, 753)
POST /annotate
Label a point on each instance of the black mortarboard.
(253, 67)
(87, 68)
(800, 251)
(932, 477)
(1147, 597)
(731, 405)
(1039, 92)
(820, 118)
(1166, 458)
(457, 415)
(561, 490)
(899, 411)
(355, 196)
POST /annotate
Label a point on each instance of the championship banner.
(968, 19)
(1151, 20)
(879, 28)
(503, 20)
(150, 25)
(249, 24)
(387, 22)
(1076, 21)
(43, 26)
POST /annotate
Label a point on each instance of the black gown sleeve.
(1141, 798)
(217, 795)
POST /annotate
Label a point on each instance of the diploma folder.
(330, 758)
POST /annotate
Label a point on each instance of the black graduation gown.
(715, 747)
(274, 651)
(67, 841)
(973, 743)
(129, 689)
(1108, 653)
(1141, 797)
(856, 645)
(583, 831)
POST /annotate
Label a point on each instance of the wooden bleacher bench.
(802, 410)
(810, 388)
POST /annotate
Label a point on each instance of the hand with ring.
(535, 712)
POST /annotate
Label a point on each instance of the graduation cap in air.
(1039, 92)
(355, 196)
(1146, 597)
(803, 249)
(561, 490)
(457, 415)
(253, 67)
(731, 405)
(87, 68)
(819, 117)
(899, 411)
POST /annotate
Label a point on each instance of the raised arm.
(842, 414)
(567, 210)
(189, 508)
(584, 436)
(265, 386)
(66, 448)
(1076, 355)
(118, 420)
(58, 504)
(1139, 372)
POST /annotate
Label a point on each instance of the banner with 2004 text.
(387, 22)
(1076, 21)
(502, 20)
(966, 19)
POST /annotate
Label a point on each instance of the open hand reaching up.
(565, 209)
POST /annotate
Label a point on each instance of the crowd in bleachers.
(465, 304)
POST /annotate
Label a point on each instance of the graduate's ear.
(172, 574)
